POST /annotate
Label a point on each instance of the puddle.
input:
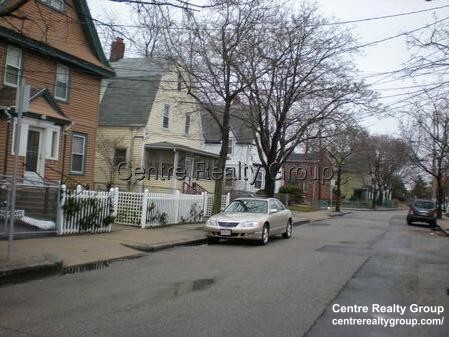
(183, 288)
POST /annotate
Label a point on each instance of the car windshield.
(424, 204)
(247, 206)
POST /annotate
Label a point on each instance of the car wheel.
(288, 231)
(433, 223)
(265, 235)
(212, 240)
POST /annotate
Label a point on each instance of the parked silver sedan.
(252, 219)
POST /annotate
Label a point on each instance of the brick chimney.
(117, 50)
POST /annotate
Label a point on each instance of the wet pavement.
(241, 289)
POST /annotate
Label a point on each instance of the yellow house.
(149, 134)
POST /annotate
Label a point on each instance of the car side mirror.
(273, 210)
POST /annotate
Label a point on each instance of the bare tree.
(105, 150)
(299, 79)
(387, 158)
(426, 131)
(206, 54)
(340, 148)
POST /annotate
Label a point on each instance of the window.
(304, 186)
(78, 153)
(187, 126)
(179, 81)
(54, 145)
(230, 146)
(258, 181)
(166, 118)
(13, 66)
(280, 205)
(56, 4)
(119, 156)
(62, 82)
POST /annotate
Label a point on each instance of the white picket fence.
(83, 211)
(155, 209)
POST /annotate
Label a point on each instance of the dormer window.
(55, 4)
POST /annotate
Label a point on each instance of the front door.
(189, 169)
(33, 159)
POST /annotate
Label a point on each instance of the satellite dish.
(8, 6)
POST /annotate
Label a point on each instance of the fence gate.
(36, 208)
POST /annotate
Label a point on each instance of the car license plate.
(225, 232)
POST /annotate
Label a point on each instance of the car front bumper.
(252, 233)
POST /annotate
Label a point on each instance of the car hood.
(239, 217)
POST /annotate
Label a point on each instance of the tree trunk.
(269, 184)
(221, 164)
(338, 190)
(440, 197)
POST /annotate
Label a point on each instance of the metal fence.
(156, 209)
(35, 211)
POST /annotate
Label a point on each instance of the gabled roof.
(42, 104)
(128, 101)
(129, 97)
(88, 27)
(212, 133)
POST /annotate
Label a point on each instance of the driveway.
(241, 289)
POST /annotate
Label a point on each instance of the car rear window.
(424, 204)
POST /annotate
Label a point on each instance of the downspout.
(5, 161)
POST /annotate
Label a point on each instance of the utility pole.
(22, 104)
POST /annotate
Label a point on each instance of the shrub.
(295, 193)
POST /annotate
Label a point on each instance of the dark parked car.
(422, 211)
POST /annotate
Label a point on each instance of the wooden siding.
(81, 108)
(61, 30)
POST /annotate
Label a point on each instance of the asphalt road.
(240, 289)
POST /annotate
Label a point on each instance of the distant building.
(312, 172)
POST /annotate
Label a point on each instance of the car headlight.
(211, 223)
(248, 224)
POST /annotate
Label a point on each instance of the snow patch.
(41, 224)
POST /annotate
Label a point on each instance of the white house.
(243, 158)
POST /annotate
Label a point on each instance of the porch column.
(175, 168)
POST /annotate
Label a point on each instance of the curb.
(339, 214)
(162, 246)
(301, 222)
(100, 264)
(22, 273)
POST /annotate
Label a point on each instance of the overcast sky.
(384, 57)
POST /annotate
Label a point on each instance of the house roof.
(128, 101)
(212, 133)
(142, 66)
(102, 68)
(180, 147)
(129, 98)
(42, 104)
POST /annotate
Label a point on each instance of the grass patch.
(302, 208)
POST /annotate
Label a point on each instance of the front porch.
(173, 167)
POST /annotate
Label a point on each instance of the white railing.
(82, 211)
(155, 209)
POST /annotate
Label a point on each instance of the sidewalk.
(37, 256)
(65, 252)
(444, 224)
